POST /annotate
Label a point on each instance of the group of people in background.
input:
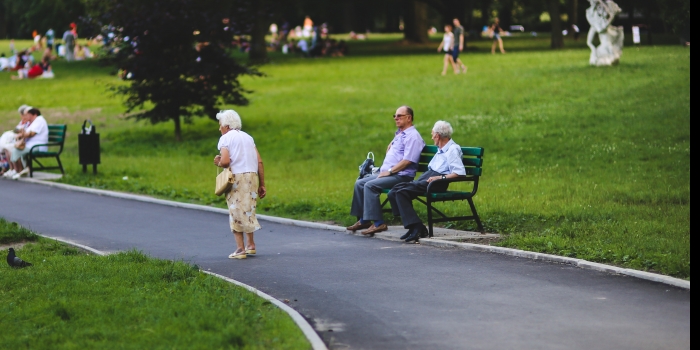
(308, 40)
(30, 135)
(26, 66)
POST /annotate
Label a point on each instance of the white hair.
(443, 128)
(229, 118)
(23, 108)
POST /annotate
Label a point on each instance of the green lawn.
(580, 161)
(71, 300)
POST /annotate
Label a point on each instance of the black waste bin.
(89, 147)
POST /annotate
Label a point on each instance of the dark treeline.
(18, 18)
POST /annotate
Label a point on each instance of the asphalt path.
(365, 293)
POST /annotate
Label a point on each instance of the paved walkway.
(364, 293)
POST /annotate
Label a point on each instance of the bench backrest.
(472, 158)
(57, 133)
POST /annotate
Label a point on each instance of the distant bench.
(57, 135)
(472, 159)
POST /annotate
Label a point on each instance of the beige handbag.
(224, 181)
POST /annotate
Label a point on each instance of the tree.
(24, 16)
(260, 12)
(555, 17)
(415, 21)
(176, 56)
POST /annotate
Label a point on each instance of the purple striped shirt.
(406, 145)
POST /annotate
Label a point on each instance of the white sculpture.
(600, 15)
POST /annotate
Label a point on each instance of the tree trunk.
(485, 12)
(348, 16)
(557, 35)
(505, 14)
(469, 24)
(573, 12)
(415, 21)
(178, 129)
(258, 47)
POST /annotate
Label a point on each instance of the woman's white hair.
(443, 128)
(23, 108)
(229, 118)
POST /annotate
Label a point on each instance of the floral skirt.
(242, 200)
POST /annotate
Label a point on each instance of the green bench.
(57, 135)
(472, 159)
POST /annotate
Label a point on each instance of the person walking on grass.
(446, 164)
(495, 32)
(458, 33)
(447, 45)
(238, 152)
(400, 165)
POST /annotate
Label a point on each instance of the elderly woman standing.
(238, 152)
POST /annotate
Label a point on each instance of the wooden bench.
(57, 135)
(472, 159)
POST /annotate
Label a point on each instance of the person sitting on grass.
(446, 164)
(400, 165)
(36, 133)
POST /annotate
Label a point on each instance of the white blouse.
(241, 148)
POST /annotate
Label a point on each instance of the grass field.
(580, 161)
(70, 300)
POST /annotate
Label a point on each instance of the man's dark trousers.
(402, 195)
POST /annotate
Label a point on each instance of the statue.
(600, 15)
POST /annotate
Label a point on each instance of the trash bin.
(89, 147)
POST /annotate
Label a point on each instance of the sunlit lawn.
(580, 161)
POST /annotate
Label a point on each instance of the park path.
(364, 293)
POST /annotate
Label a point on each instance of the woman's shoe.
(238, 255)
(250, 251)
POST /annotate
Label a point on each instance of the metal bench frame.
(473, 160)
(57, 136)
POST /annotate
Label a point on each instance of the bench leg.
(476, 216)
(29, 164)
(430, 218)
(60, 166)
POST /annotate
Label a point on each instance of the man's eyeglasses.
(396, 116)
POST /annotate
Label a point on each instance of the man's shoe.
(374, 229)
(423, 231)
(418, 233)
(407, 234)
(359, 226)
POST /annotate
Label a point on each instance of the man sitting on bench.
(446, 164)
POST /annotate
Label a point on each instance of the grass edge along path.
(71, 299)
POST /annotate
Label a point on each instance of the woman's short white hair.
(443, 128)
(229, 118)
(23, 108)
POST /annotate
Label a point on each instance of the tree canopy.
(175, 56)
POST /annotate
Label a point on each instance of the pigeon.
(14, 261)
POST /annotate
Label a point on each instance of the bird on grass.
(15, 261)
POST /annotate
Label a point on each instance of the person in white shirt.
(37, 133)
(8, 138)
(238, 152)
(446, 164)
(447, 45)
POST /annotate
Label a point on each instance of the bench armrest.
(474, 179)
(31, 150)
